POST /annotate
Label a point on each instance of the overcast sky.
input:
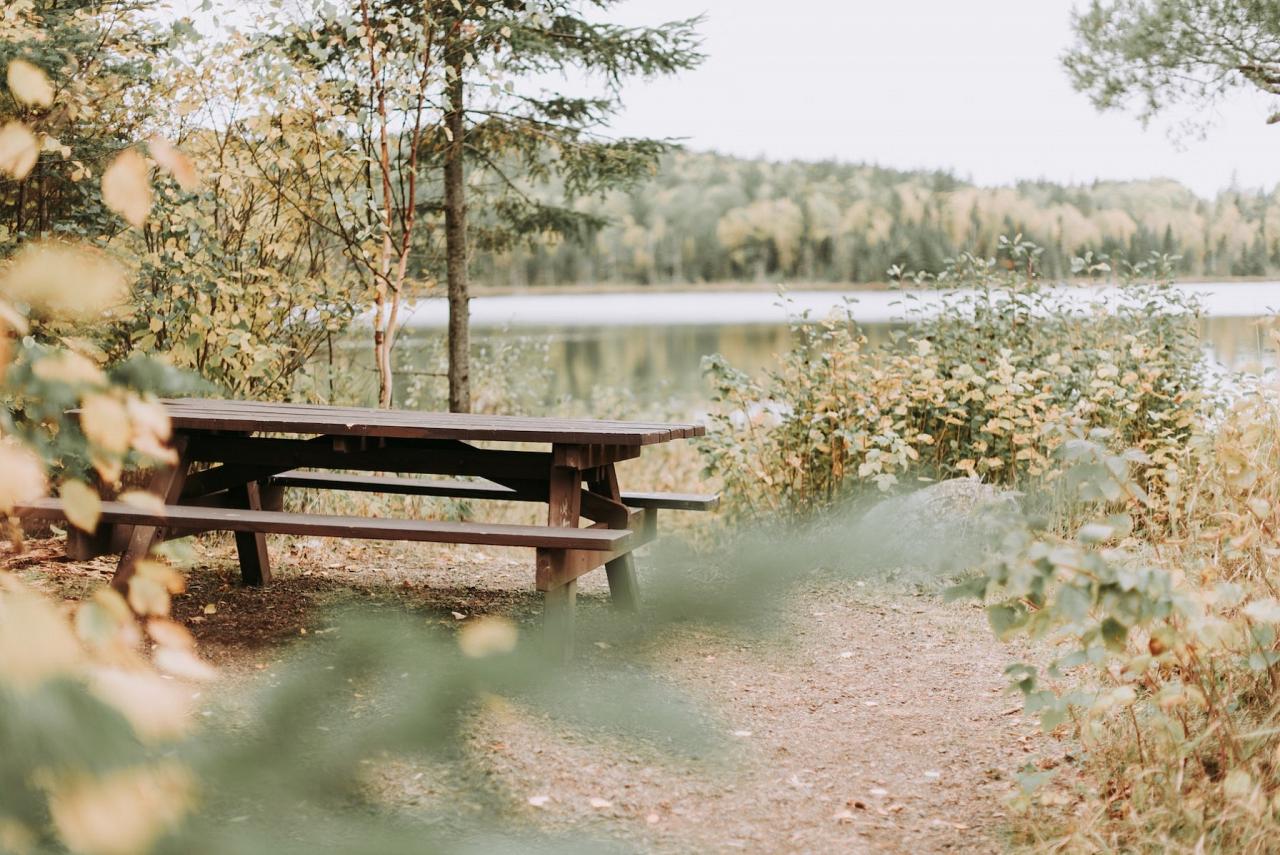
(974, 86)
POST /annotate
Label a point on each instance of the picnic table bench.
(235, 459)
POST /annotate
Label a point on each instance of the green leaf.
(975, 589)
(1005, 619)
(1114, 634)
(1073, 603)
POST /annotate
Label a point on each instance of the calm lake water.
(653, 343)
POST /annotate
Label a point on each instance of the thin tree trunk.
(381, 337)
(455, 234)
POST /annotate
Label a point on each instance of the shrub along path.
(875, 721)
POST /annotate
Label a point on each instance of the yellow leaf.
(16, 837)
(36, 642)
(109, 467)
(151, 429)
(105, 422)
(68, 367)
(65, 280)
(81, 504)
(18, 150)
(184, 664)
(164, 575)
(175, 163)
(156, 707)
(487, 636)
(126, 187)
(23, 475)
(122, 812)
(168, 633)
(148, 596)
(105, 619)
(142, 499)
(29, 84)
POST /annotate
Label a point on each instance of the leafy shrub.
(1162, 671)
(1222, 502)
(982, 387)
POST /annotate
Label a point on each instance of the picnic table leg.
(167, 484)
(251, 547)
(624, 591)
(564, 501)
(85, 546)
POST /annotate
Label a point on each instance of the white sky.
(974, 86)
(971, 86)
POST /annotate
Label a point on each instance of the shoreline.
(580, 309)
(739, 286)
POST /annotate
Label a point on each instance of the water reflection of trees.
(660, 364)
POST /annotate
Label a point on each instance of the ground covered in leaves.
(872, 718)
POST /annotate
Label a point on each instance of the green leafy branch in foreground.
(99, 758)
(99, 754)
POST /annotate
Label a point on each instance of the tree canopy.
(1152, 54)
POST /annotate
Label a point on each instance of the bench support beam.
(623, 588)
(251, 546)
(564, 508)
(167, 483)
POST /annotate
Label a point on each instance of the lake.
(653, 342)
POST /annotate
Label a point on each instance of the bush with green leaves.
(980, 386)
(1159, 673)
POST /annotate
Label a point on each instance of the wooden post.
(167, 483)
(85, 546)
(564, 502)
(624, 592)
(251, 546)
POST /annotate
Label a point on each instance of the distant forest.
(709, 218)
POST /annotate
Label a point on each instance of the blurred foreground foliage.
(103, 755)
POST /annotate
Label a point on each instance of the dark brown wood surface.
(475, 490)
(318, 525)
(206, 414)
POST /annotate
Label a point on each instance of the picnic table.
(235, 459)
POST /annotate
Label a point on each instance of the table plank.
(182, 517)
(266, 417)
(196, 408)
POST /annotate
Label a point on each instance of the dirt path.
(880, 726)
(872, 721)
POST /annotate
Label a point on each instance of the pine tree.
(508, 135)
(99, 56)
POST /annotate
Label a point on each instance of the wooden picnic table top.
(266, 417)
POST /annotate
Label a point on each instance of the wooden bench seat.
(473, 490)
(184, 517)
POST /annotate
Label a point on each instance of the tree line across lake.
(704, 217)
